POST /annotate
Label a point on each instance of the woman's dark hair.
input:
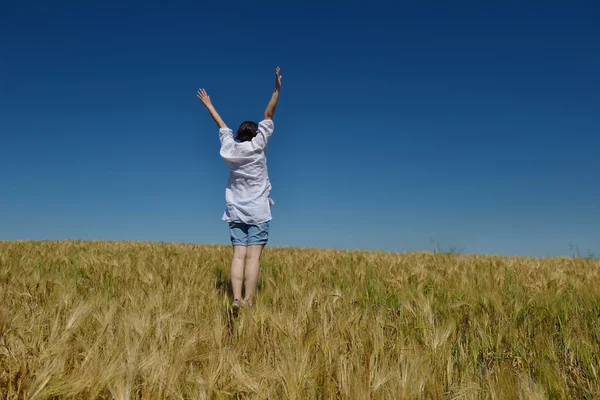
(247, 131)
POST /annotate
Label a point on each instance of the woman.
(248, 205)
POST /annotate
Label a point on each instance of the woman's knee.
(252, 259)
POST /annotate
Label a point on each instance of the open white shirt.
(248, 189)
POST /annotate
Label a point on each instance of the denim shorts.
(247, 235)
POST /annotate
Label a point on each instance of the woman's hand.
(277, 79)
(204, 97)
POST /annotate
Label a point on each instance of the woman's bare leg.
(237, 271)
(252, 270)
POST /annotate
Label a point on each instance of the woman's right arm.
(270, 110)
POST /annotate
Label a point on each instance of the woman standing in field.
(248, 205)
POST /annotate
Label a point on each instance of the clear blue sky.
(475, 125)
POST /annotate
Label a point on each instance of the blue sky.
(476, 126)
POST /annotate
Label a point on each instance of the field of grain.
(127, 320)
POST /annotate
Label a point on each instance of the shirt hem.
(235, 221)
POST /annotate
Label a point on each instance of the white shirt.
(248, 189)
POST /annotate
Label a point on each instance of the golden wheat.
(150, 320)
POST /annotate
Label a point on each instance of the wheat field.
(136, 320)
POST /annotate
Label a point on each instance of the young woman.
(248, 205)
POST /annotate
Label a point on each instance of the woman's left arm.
(205, 99)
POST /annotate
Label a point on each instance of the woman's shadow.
(223, 283)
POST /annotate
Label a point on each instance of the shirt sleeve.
(226, 138)
(265, 130)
